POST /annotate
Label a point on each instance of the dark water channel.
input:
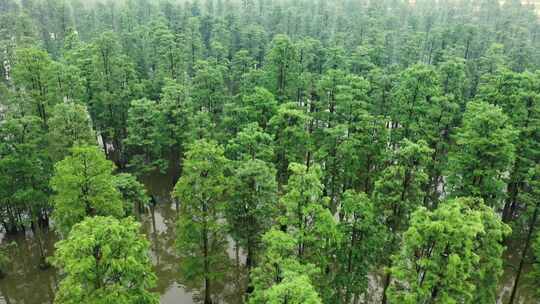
(26, 283)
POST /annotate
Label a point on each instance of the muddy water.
(26, 283)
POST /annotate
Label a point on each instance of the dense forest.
(312, 151)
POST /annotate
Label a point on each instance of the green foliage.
(24, 172)
(174, 106)
(259, 106)
(282, 67)
(133, 193)
(208, 85)
(291, 137)
(105, 260)
(367, 110)
(309, 221)
(535, 274)
(306, 216)
(32, 74)
(252, 206)
(201, 233)
(361, 246)
(280, 277)
(483, 153)
(84, 186)
(442, 256)
(418, 85)
(295, 289)
(69, 125)
(145, 139)
(170, 56)
(399, 189)
(112, 85)
(251, 143)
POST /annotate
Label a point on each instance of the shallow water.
(26, 283)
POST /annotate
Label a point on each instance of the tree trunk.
(387, 279)
(523, 255)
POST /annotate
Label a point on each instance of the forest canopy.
(313, 151)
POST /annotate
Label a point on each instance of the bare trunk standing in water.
(153, 204)
(387, 279)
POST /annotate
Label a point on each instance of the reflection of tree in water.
(160, 229)
(228, 281)
(236, 279)
(172, 269)
(25, 281)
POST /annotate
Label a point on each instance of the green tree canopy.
(201, 232)
(483, 153)
(443, 259)
(105, 260)
(84, 186)
(69, 125)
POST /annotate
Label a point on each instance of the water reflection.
(176, 286)
(525, 291)
(25, 281)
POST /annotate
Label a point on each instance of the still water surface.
(26, 283)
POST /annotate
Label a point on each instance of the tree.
(294, 289)
(192, 43)
(535, 274)
(69, 125)
(304, 204)
(289, 127)
(442, 254)
(483, 153)
(280, 277)
(112, 86)
(84, 186)
(66, 83)
(242, 64)
(251, 143)
(5, 259)
(260, 106)
(413, 97)
(174, 106)
(201, 237)
(207, 91)
(252, 206)
(515, 94)
(282, 68)
(31, 73)
(145, 140)
(443, 117)
(105, 260)
(25, 170)
(526, 229)
(360, 248)
(399, 191)
(340, 121)
(170, 55)
(307, 218)
(369, 96)
(133, 193)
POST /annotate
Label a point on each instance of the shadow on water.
(26, 283)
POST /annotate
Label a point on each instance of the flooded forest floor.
(27, 283)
